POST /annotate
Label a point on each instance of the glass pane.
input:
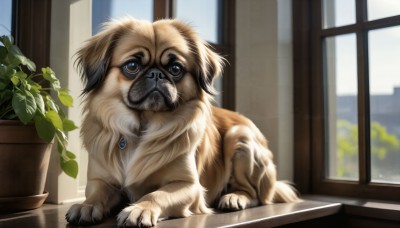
(338, 13)
(341, 99)
(5, 17)
(202, 15)
(382, 8)
(103, 10)
(384, 69)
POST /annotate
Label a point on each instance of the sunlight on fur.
(152, 85)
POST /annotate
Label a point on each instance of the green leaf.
(35, 87)
(21, 75)
(49, 75)
(71, 155)
(62, 137)
(65, 98)
(9, 73)
(15, 52)
(61, 148)
(3, 52)
(7, 41)
(70, 167)
(50, 103)
(3, 70)
(69, 125)
(13, 61)
(24, 106)
(26, 85)
(44, 128)
(55, 119)
(39, 101)
(6, 96)
(31, 65)
(15, 80)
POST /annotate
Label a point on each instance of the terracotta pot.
(24, 160)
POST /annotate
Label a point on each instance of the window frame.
(31, 29)
(309, 113)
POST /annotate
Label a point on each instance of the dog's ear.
(209, 63)
(94, 58)
(210, 67)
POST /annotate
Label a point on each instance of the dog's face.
(150, 66)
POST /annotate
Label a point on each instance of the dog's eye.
(131, 69)
(175, 69)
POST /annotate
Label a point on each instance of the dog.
(153, 135)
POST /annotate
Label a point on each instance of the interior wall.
(264, 74)
(70, 27)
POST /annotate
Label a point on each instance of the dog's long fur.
(179, 159)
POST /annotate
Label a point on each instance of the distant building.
(385, 109)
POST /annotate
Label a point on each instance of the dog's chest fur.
(155, 144)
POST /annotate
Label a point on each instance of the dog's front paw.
(84, 214)
(143, 214)
(234, 202)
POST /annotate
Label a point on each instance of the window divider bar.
(363, 96)
(363, 109)
(162, 9)
(318, 113)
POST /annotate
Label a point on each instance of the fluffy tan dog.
(153, 135)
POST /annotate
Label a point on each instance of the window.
(347, 97)
(102, 11)
(6, 17)
(205, 19)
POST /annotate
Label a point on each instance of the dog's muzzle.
(153, 91)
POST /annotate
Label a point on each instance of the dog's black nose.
(155, 74)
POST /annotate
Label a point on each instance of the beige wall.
(70, 26)
(264, 74)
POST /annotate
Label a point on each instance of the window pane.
(382, 8)
(384, 68)
(5, 17)
(338, 13)
(103, 10)
(341, 99)
(202, 15)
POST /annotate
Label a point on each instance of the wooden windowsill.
(266, 216)
(313, 207)
(263, 216)
(386, 210)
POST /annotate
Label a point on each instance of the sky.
(384, 49)
(5, 17)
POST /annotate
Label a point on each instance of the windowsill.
(386, 210)
(271, 215)
(263, 216)
(313, 207)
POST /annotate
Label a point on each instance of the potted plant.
(31, 119)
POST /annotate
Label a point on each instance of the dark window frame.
(309, 113)
(31, 29)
